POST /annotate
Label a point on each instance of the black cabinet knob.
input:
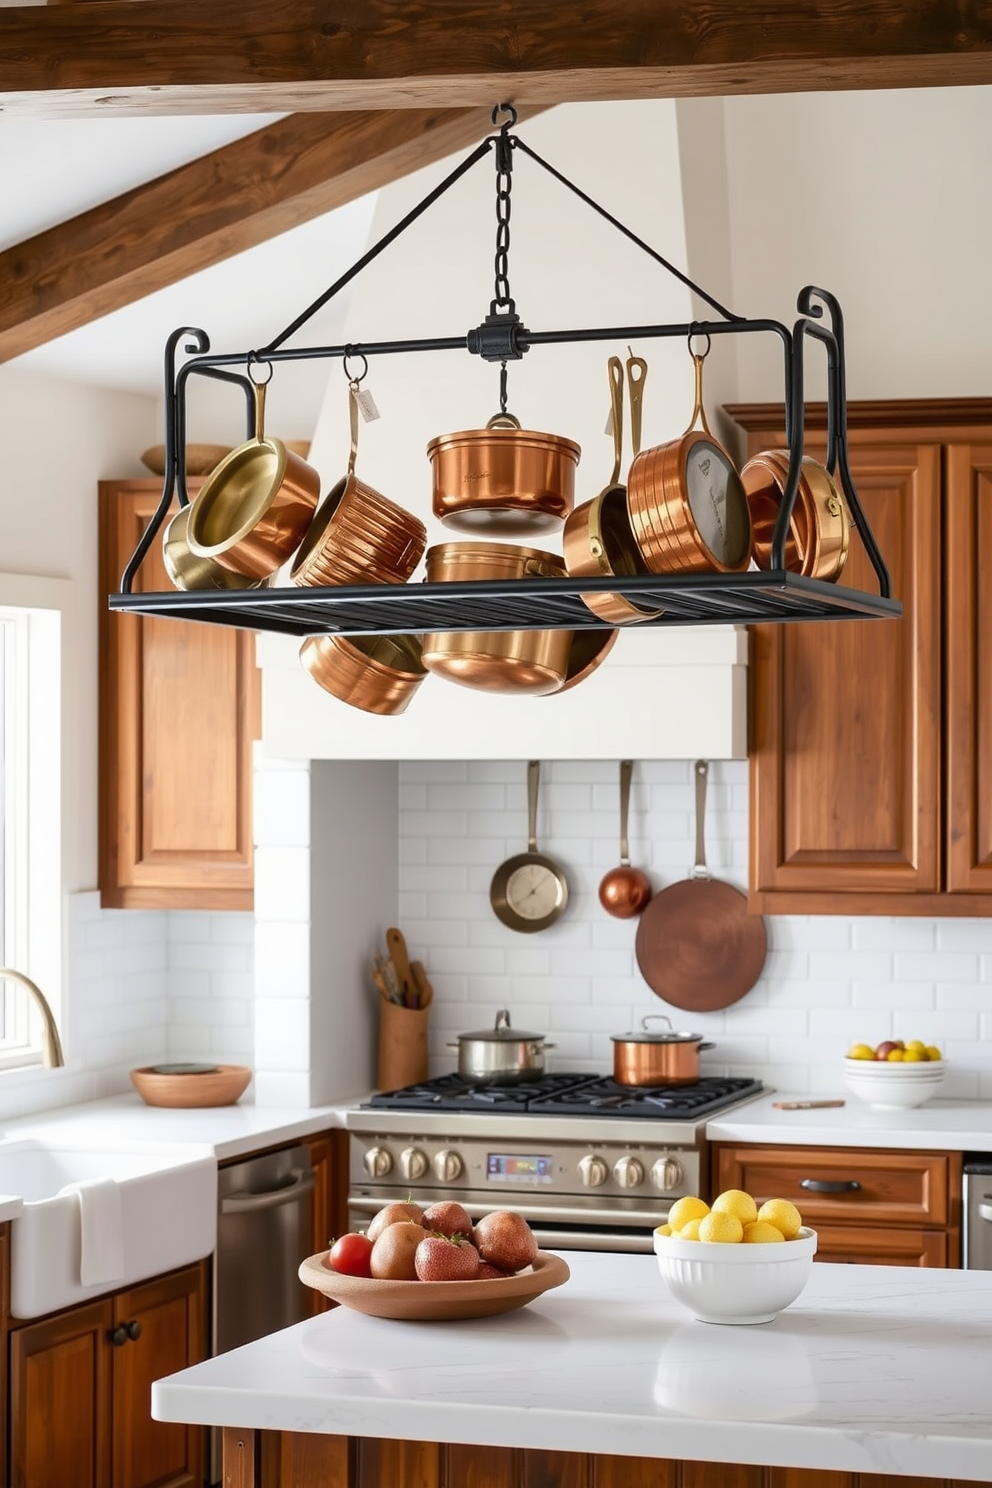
(118, 1336)
(133, 1329)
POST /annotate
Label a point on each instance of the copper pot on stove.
(665, 1058)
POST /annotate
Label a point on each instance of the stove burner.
(571, 1095)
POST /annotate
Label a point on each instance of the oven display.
(502, 1167)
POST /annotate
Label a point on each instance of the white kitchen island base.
(874, 1370)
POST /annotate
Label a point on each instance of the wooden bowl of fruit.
(417, 1265)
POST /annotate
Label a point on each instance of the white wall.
(827, 980)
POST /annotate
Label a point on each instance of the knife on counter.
(810, 1105)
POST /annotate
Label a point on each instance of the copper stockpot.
(253, 509)
(503, 479)
(517, 661)
(669, 1058)
(598, 539)
(819, 535)
(377, 673)
(686, 502)
(357, 535)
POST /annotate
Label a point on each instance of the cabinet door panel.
(178, 710)
(60, 1424)
(880, 1187)
(845, 751)
(968, 536)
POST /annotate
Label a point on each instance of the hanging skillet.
(529, 891)
(696, 945)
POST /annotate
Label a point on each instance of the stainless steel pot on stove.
(501, 1055)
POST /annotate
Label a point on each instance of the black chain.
(504, 180)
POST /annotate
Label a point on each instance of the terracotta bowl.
(434, 1301)
(214, 1085)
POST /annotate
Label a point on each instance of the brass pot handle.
(259, 390)
(698, 411)
(614, 368)
(637, 371)
(353, 386)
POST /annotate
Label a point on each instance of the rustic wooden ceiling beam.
(184, 56)
(227, 201)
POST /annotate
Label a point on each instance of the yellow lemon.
(913, 1056)
(917, 1044)
(664, 1229)
(738, 1203)
(762, 1233)
(685, 1209)
(861, 1051)
(690, 1230)
(783, 1215)
(894, 1056)
(721, 1228)
(933, 1052)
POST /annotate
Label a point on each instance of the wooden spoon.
(624, 891)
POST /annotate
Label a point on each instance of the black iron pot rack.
(523, 604)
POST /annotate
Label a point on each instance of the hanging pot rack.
(770, 595)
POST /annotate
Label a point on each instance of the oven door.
(618, 1225)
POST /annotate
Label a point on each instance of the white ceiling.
(51, 170)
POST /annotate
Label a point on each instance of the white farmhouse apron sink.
(162, 1214)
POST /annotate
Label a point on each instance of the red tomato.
(351, 1255)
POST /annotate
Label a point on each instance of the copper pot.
(253, 509)
(503, 479)
(517, 661)
(669, 1058)
(598, 538)
(686, 502)
(819, 535)
(377, 673)
(357, 535)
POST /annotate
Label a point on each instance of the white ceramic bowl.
(735, 1283)
(896, 1086)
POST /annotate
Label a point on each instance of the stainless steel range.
(591, 1164)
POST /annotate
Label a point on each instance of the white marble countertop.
(873, 1369)
(951, 1125)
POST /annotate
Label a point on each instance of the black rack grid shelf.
(527, 604)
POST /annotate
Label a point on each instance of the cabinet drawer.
(910, 1188)
(882, 1245)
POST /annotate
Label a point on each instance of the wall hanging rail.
(665, 577)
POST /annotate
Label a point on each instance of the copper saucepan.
(503, 480)
(598, 538)
(377, 673)
(357, 535)
(516, 661)
(669, 1058)
(819, 535)
(253, 509)
(686, 502)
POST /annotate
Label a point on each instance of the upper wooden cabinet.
(871, 741)
(179, 708)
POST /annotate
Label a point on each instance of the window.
(30, 807)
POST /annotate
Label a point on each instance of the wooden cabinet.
(293, 1460)
(869, 1206)
(179, 708)
(870, 757)
(80, 1389)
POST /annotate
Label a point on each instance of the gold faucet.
(51, 1045)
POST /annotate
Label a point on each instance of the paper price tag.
(366, 403)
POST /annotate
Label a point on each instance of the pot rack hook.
(254, 359)
(693, 333)
(351, 354)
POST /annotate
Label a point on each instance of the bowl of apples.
(894, 1075)
(435, 1264)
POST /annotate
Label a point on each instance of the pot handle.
(503, 421)
(656, 1018)
(353, 423)
(707, 1045)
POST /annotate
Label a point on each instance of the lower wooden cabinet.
(294, 1460)
(871, 1206)
(80, 1389)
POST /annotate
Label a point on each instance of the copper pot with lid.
(665, 1058)
(503, 479)
(686, 502)
(819, 536)
(514, 661)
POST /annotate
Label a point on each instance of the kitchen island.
(607, 1382)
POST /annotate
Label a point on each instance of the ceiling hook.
(504, 108)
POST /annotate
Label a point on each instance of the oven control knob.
(413, 1163)
(447, 1165)
(593, 1170)
(667, 1174)
(628, 1171)
(378, 1161)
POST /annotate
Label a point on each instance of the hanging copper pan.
(598, 538)
(687, 506)
(503, 480)
(819, 535)
(377, 673)
(696, 945)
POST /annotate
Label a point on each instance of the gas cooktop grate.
(570, 1095)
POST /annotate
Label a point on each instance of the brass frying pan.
(697, 946)
(529, 891)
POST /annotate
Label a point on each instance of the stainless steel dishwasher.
(978, 1213)
(264, 1231)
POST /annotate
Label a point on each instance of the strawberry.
(489, 1272)
(440, 1258)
